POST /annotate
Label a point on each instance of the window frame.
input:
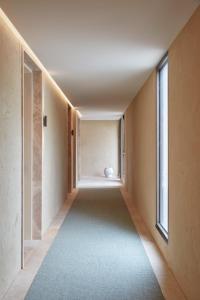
(160, 228)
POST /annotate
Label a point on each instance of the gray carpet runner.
(97, 255)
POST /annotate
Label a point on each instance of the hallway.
(99, 150)
(97, 254)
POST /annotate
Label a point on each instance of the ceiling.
(99, 52)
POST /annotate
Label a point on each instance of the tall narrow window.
(162, 148)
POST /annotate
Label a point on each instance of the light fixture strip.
(28, 49)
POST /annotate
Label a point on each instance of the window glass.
(163, 147)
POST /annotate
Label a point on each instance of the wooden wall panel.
(183, 248)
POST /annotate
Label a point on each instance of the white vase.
(108, 172)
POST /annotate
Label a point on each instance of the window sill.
(162, 232)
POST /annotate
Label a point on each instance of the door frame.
(70, 149)
(37, 136)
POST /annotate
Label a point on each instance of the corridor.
(99, 150)
(97, 254)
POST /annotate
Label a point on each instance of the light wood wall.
(10, 156)
(182, 252)
(55, 156)
(99, 147)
